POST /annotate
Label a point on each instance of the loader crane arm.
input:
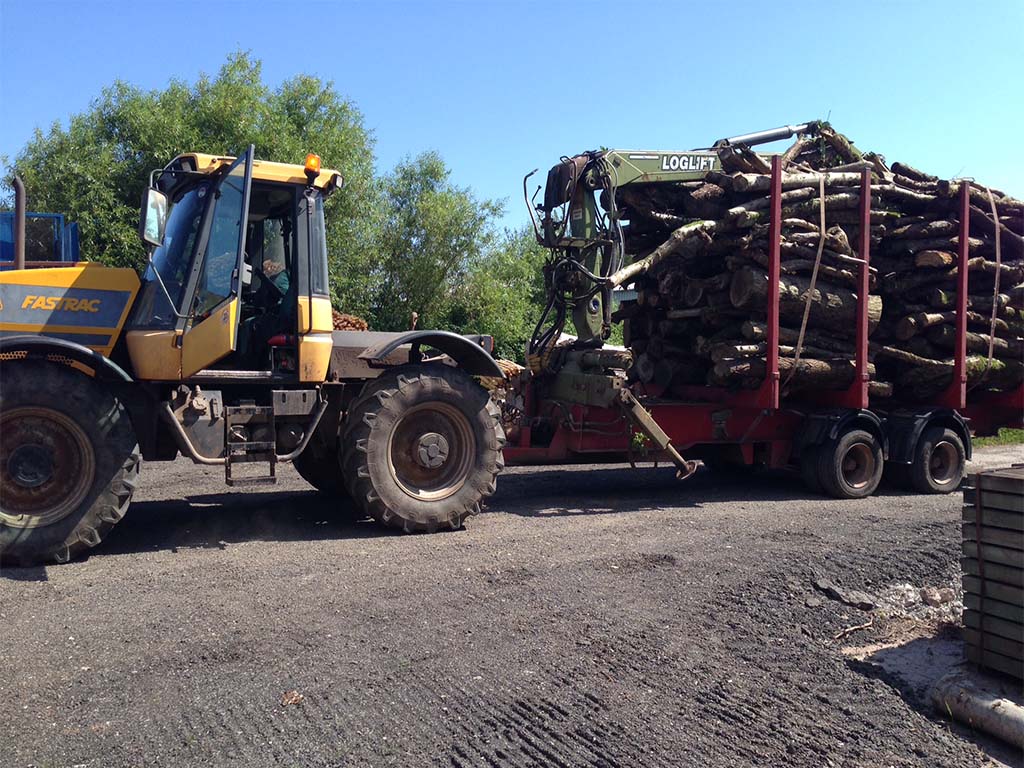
(580, 221)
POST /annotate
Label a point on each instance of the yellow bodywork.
(315, 340)
(262, 170)
(85, 303)
(155, 355)
(214, 337)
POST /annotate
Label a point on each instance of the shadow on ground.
(590, 490)
(212, 521)
(216, 520)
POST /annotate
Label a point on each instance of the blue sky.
(500, 88)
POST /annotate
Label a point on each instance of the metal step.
(237, 482)
(249, 451)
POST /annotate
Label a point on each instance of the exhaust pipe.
(19, 223)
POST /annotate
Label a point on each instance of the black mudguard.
(468, 351)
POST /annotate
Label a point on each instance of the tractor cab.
(237, 279)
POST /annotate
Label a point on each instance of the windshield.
(172, 259)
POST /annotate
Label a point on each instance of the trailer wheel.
(939, 460)
(69, 463)
(422, 448)
(851, 466)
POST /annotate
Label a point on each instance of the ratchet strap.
(814, 279)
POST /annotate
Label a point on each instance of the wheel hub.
(47, 466)
(858, 465)
(943, 462)
(432, 450)
(30, 465)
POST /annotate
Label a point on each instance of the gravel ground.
(594, 615)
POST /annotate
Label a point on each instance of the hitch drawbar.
(644, 421)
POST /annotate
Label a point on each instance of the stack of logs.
(343, 322)
(700, 253)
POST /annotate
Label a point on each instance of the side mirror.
(153, 221)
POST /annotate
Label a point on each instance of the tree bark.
(757, 331)
(675, 243)
(942, 298)
(831, 307)
(931, 258)
(927, 381)
(945, 336)
(833, 373)
(921, 321)
(925, 229)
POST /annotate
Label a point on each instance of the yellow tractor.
(224, 352)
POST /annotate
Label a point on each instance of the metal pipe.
(321, 409)
(955, 395)
(19, 223)
(186, 445)
(769, 392)
(183, 441)
(859, 387)
(763, 137)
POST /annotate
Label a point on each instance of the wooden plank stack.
(993, 570)
(700, 251)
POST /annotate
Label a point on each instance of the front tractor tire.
(422, 448)
(69, 463)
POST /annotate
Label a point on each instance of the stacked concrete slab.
(993, 570)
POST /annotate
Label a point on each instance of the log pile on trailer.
(700, 255)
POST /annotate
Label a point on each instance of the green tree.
(94, 170)
(431, 237)
(503, 295)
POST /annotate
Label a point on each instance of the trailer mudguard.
(468, 351)
(828, 425)
(904, 429)
(41, 346)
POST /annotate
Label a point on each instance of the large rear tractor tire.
(850, 467)
(319, 465)
(939, 461)
(422, 448)
(69, 463)
(809, 460)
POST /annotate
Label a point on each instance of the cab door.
(212, 333)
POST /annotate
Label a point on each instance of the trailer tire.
(850, 467)
(69, 463)
(939, 461)
(422, 448)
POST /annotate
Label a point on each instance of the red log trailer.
(575, 408)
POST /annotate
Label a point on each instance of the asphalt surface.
(591, 616)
